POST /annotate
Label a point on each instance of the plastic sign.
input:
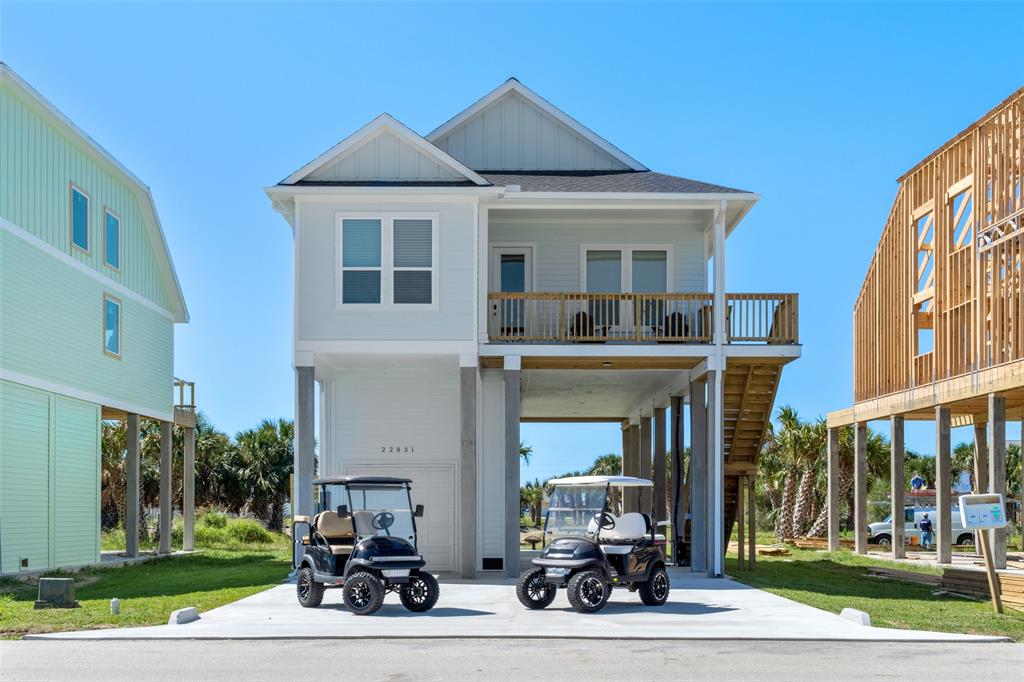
(982, 511)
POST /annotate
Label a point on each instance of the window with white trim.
(388, 260)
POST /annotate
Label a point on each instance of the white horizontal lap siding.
(556, 258)
(320, 319)
(491, 466)
(513, 134)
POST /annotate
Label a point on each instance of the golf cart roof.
(627, 481)
(361, 480)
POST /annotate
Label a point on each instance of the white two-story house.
(514, 266)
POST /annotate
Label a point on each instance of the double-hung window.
(111, 239)
(79, 216)
(388, 260)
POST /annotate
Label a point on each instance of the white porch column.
(166, 506)
(513, 367)
(131, 523)
(718, 290)
(468, 463)
(716, 478)
(302, 496)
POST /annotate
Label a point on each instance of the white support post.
(468, 464)
(718, 290)
(698, 483)
(302, 496)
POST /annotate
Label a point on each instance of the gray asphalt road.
(475, 659)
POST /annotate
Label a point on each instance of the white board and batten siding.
(385, 157)
(403, 422)
(321, 318)
(513, 134)
(557, 260)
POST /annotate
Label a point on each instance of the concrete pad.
(698, 608)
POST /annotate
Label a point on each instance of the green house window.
(111, 239)
(111, 326)
(79, 218)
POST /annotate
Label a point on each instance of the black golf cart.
(363, 539)
(590, 546)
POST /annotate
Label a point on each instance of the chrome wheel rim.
(660, 586)
(591, 591)
(537, 589)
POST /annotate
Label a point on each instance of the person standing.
(926, 532)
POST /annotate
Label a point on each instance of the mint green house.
(88, 303)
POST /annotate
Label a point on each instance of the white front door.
(511, 272)
(433, 486)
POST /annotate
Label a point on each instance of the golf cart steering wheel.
(383, 521)
(605, 521)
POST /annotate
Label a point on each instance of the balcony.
(571, 317)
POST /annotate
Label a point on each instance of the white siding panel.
(557, 249)
(385, 158)
(491, 470)
(318, 317)
(513, 134)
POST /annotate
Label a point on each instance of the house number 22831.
(397, 449)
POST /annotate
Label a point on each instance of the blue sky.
(817, 107)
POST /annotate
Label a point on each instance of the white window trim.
(120, 223)
(120, 326)
(626, 283)
(387, 267)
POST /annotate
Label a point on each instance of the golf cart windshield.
(571, 509)
(381, 511)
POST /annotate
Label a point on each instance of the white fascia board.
(370, 130)
(385, 347)
(541, 103)
(142, 192)
(790, 351)
(397, 191)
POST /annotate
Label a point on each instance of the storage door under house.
(76, 483)
(433, 486)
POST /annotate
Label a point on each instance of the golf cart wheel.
(309, 591)
(533, 591)
(420, 593)
(363, 593)
(588, 592)
(654, 592)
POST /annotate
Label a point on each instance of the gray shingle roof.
(602, 181)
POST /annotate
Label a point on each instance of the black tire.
(420, 593)
(588, 591)
(533, 591)
(655, 591)
(363, 593)
(308, 590)
(965, 539)
(883, 540)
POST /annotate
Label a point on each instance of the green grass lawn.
(833, 581)
(148, 591)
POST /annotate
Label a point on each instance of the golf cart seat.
(629, 528)
(336, 530)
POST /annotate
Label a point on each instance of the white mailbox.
(982, 511)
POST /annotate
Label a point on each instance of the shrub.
(210, 537)
(248, 531)
(212, 519)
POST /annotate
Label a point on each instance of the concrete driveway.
(698, 608)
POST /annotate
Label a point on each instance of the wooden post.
(943, 487)
(741, 486)
(899, 485)
(990, 572)
(833, 489)
(660, 506)
(980, 457)
(131, 524)
(166, 506)
(645, 463)
(860, 487)
(752, 524)
(997, 472)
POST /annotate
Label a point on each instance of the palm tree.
(525, 452)
(811, 440)
(789, 439)
(608, 465)
(531, 496)
(264, 463)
